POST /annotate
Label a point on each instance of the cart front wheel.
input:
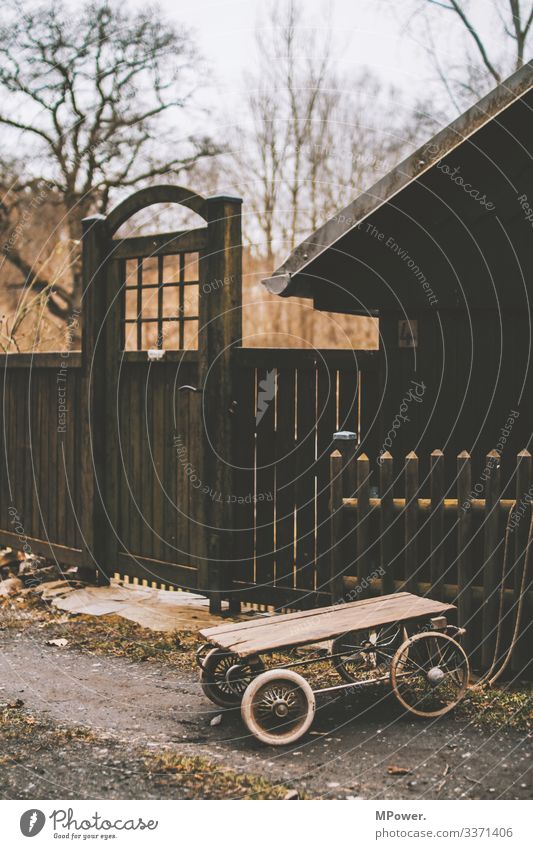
(224, 676)
(278, 707)
(429, 674)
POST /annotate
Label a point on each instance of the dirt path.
(347, 755)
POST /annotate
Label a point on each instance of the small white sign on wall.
(407, 333)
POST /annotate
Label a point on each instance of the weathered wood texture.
(40, 453)
(295, 629)
(469, 550)
(291, 402)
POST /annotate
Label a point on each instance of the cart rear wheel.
(429, 674)
(278, 707)
(357, 654)
(224, 676)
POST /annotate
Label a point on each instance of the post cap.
(345, 435)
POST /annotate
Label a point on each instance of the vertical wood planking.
(305, 483)
(386, 483)
(44, 455)
(53, 451)
(35, 443)
(326, 425)
(25, 437)
(464, 564)
(369, 393)
(61, 458)
(169, 466)
(146, 424)
(285, 477)
(521, 656)
(491, 559)
(194, 517)
(349, 399)
(124, 459)
(159, 436)
(71, 450)
(4, 495)
(411, 521)
(436, 525)
(336, 529)
(244, 449)
(134, 390)
(265, 475)
(363, 514)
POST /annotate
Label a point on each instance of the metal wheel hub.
(435, 675)
(280, 708)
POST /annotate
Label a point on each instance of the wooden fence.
(166, 452)
(453, 546)
(155, 452)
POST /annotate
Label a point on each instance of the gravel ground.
(129, 708)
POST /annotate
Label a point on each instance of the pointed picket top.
(464, 455)
(437, 453)
(494, 453)
(386, 455)
(411, 456)
(362, 458)
(335, 454)
(524, 453)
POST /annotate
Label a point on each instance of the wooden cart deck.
(323, 623)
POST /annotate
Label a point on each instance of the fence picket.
(436, 526)
(464, 529)
(491, 570)
(363, 511)
(522, 654)
(336, 523)
(386, 518)
(411, 522)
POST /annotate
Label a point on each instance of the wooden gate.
(162, 316)
(165, 451)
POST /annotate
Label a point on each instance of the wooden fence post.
(491, 561)
(336, 524)
(436, 529)
(385, 539)
(464, 565)
(411, 521)
(93, 519)
(522, 652)
(220, 331)
(363, 512)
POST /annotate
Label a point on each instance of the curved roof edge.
(421, 160)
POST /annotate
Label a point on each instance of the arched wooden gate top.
(150, 196)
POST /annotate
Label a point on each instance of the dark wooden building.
(441, 251)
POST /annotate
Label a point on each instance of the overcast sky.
(366, 33)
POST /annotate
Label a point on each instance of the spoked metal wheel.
(278, 707)
(429, 674)
(224, 676)
(358, 653)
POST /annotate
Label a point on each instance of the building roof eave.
(423, 159)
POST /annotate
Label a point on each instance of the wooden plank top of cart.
(401, 638)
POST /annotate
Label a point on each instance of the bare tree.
(94, 88)
(497, 34)
(315, 138)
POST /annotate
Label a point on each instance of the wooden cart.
(400, 638)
